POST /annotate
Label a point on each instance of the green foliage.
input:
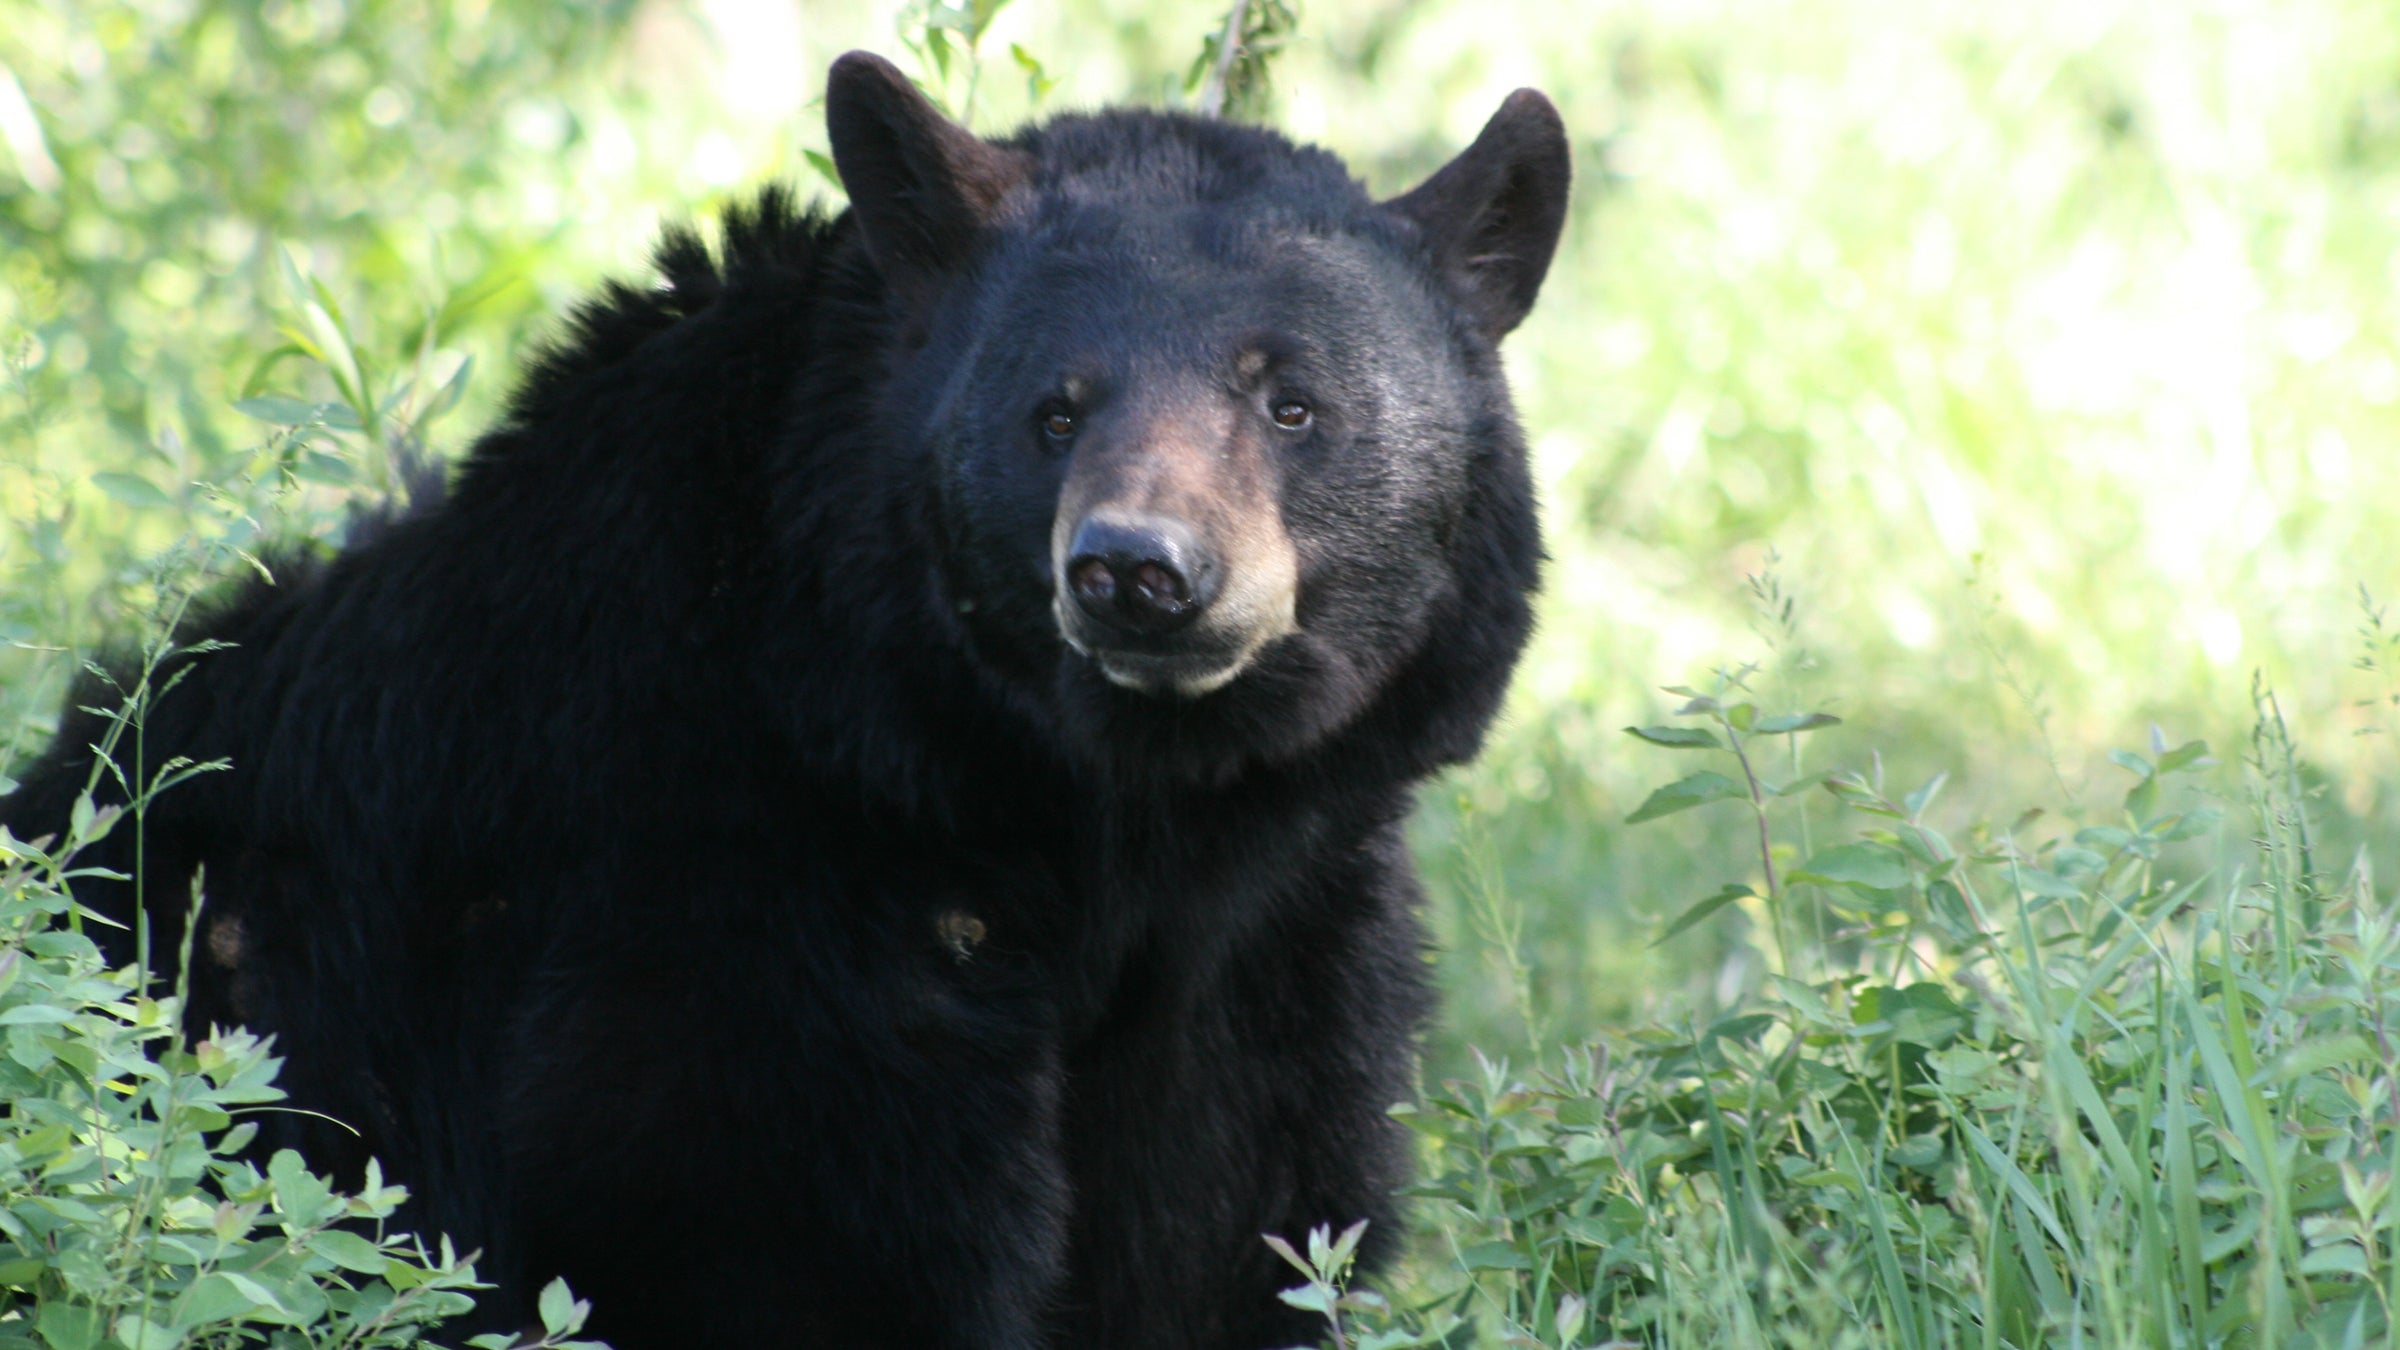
(946, 38)
(1230, 75)
(1325, 1269)
(173, 182)
(171, 152)
(129, 1217)
(2027, 1086)
(2052, 343)
(133, 1214)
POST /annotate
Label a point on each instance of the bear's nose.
(1144, 575)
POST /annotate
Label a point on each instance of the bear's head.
(1216, 445)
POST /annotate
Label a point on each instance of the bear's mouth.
(1188, 664)
(1183, 670)
(1183, 676)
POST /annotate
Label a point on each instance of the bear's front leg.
(795, 1134)
(1251, 1099)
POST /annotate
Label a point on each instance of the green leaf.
(1678, 738)
(303, 1299)
(302, 1198)
(1038, 82)
(1685, 793)
(2341, 1258)
(1701, 909)
(1920, 1151)
(221, 1296)
(1929, 846)
(1918, 1014)
(1494, 1256)
(1345, 1247)
(1791, 724)
(1855, 792)
(349, 1251)
(2035, 881)
(2142, 802)
(265, 365)
(1401, 1338)
(447, 397)
(558, 1307)
(131, 489)
(1802, 999)
(2315, 1056)
(2190, 754)
(1875, 867)
(2131, 762)
(140, 1333)
(2077, 862)
(2197, 821)
(1314, 1298)
(315, 466)
(277, 410)
(70, 1209)
(823, 164)
(68, 1326)
(1745, 1029)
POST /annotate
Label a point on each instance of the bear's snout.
(1143, 575)
(1169, 562)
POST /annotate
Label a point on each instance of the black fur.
(694, 863)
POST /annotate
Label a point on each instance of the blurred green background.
(2003, 378)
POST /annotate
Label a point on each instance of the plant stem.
(1766, 844)
(1229, 44)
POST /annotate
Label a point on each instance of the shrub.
(131, 1217)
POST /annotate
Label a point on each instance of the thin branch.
(1229, 44)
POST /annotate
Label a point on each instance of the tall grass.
(2014, 1084)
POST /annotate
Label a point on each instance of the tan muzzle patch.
(1191, 463)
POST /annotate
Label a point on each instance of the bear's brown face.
(1169, 561)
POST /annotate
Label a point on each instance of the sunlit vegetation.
(1982, 416)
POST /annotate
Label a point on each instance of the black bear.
(870, 814)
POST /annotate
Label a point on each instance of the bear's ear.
(1493, 214)
(923, 186)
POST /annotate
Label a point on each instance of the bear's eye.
(1291, 414)
(1058, 424)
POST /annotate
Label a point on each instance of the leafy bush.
(129, 1216)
